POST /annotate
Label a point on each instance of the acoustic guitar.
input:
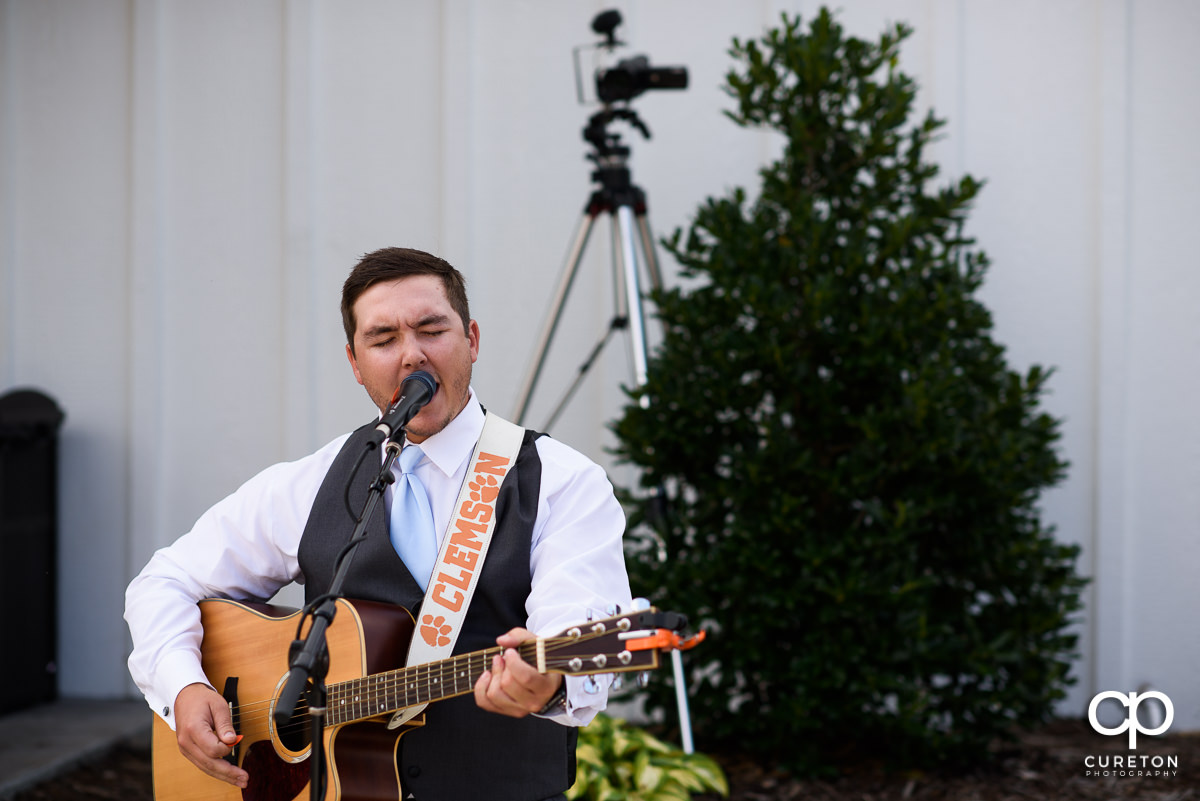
(245, 656)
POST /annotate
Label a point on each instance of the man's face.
(406, 325)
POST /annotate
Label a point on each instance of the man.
(555, 556)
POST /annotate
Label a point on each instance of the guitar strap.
(464, 547)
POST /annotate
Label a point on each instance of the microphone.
(414, 392)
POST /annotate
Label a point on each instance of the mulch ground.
(1050, 763)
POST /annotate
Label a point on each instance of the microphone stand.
(309, 658)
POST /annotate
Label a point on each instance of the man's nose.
(413, 355)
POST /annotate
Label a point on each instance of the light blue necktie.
(411, 525)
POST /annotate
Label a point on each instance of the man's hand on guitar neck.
(204, 731)
(513, 687)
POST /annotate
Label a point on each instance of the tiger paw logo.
(485, 489)
(435, 630)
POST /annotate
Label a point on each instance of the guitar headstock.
(620, 643)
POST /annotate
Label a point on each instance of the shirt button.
(166, 711)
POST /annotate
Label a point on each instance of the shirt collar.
(450, 448)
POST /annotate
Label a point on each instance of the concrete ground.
(42, 742)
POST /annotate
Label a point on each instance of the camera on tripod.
(616, 196)
(631, 76)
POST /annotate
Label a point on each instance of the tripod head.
(606, 143)
(609, 155)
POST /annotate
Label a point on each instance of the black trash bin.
(29, 424)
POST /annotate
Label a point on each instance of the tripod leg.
(648, 250)
(628, 259)
(570, 268)
(617, 249)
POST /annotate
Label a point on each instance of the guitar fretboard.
(385, 693)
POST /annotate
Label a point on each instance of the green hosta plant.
(618, 762)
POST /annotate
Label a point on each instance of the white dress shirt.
(245, 547)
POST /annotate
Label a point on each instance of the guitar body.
(245, 656)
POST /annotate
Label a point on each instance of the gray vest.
(461, 752)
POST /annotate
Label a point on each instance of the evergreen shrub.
(852, 468)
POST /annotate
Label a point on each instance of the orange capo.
(665, 639)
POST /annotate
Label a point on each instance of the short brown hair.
(389, 264)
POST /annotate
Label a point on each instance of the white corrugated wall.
(184, 185)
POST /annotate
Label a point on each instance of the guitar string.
(387, 683)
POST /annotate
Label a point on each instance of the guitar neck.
(385, 693)
(617, 644)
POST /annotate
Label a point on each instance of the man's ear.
(353, 363)
(473, 340)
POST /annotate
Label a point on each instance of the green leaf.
(625, 762)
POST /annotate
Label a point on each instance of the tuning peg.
(590, 686)
(612, 610)
(618, 683)
(640, 604)
(590, 615)
(643, 679)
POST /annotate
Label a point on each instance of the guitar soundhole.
(272, 779)
(295, 735)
